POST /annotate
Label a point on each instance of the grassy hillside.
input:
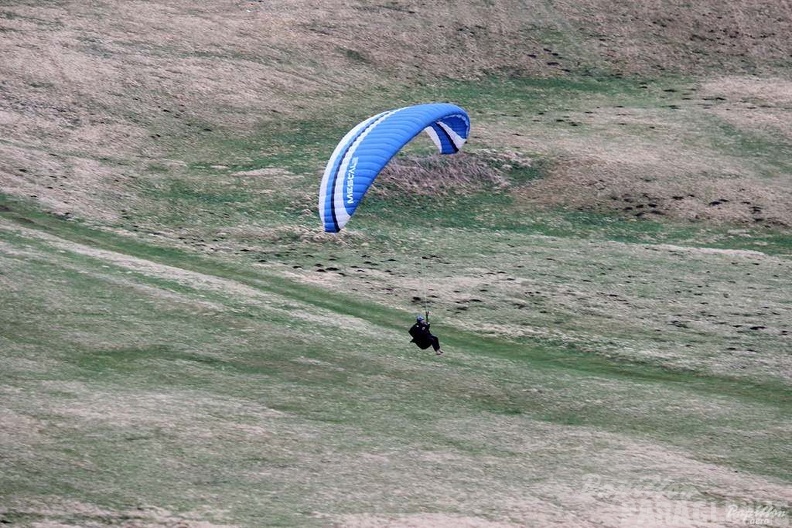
(607, 265)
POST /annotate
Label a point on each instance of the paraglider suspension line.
(423, 292)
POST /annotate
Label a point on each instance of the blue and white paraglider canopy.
(367, 148)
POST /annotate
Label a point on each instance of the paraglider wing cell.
(367, 148)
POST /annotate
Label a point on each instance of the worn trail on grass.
(276, 290)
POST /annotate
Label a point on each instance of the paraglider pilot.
(422, 337)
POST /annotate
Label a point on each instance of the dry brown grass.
(683, 160)
(87, 86)
(440, 175)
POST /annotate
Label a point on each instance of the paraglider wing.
(367, 148)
